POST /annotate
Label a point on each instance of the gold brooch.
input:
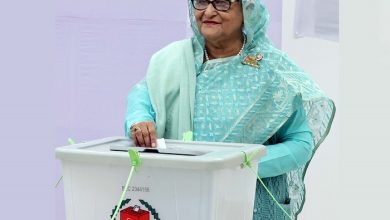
(253, 60)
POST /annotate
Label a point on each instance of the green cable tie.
(58, 182)
(187, 136)
(135, 159)
(247, 162)
(70, 142)
(135, 163)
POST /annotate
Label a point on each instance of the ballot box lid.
(177, 154)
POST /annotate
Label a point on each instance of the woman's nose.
(210, 10)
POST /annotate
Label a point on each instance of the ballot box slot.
(170, 151)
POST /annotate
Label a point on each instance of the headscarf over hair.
(319, 108)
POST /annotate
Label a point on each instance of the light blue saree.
(224, 100)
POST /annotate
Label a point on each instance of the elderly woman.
(229, 84)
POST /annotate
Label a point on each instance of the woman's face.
(219, 25)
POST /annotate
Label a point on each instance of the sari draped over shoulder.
(225, 100)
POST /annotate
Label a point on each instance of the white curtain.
(317, 18)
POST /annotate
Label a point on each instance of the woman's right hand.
(144, 134)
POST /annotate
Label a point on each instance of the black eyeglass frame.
(212, 2)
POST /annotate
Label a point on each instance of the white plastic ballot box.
(185, 181)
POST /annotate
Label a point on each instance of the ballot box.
(184, 181)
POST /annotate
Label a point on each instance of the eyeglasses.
(219, 5)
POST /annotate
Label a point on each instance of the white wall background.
(320, 59)
(365, 151)
(349, 177)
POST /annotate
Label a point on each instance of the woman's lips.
(210, 22)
